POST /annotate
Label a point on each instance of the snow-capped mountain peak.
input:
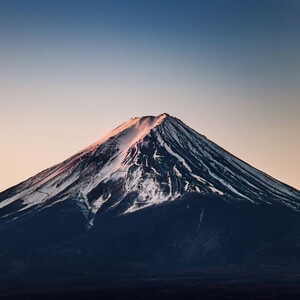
(131, 131)
(144, 162)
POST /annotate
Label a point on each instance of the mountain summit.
(144, 162)
(152, 193)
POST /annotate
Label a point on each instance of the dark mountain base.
(234, 283)
(211, 292)
(204, 245)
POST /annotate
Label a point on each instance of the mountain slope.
(151, 195)
(146, 161)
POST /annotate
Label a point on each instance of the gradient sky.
(73, 70)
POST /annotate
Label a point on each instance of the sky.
(71, 71)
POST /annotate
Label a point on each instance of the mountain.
(151, 197)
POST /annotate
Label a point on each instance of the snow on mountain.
(144, 162)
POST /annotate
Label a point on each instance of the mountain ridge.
(151, 160)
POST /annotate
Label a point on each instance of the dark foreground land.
(165, 292)
(210, 284)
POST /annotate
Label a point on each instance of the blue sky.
(73, 70)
